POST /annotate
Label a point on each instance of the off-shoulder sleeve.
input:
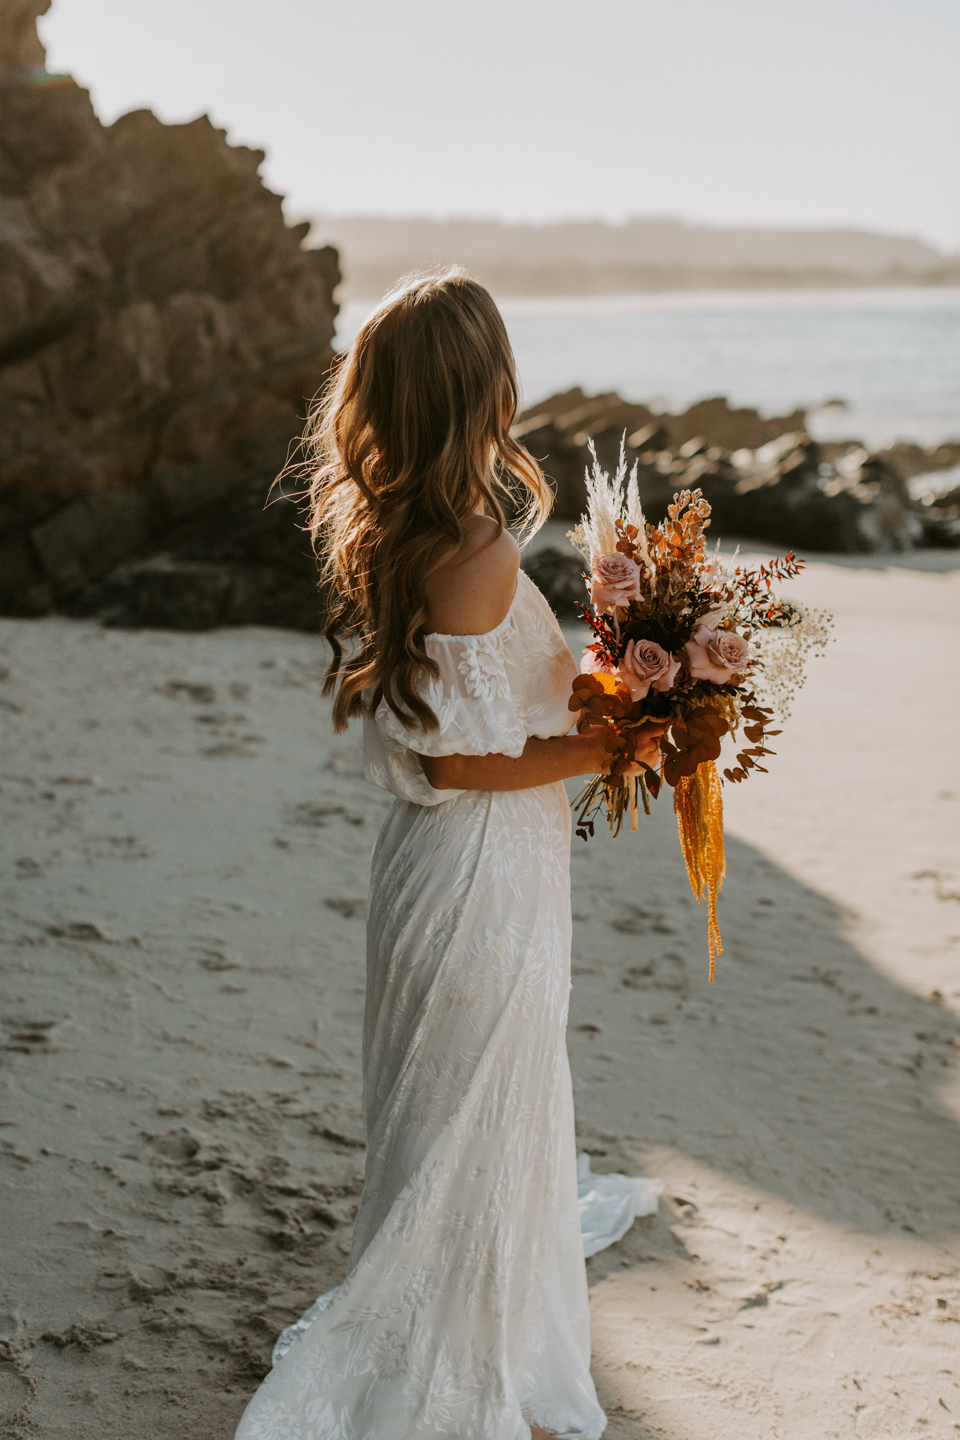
(479, 697)
(492, 693)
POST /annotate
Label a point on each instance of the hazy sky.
(810, 112)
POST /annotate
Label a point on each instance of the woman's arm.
(469, 594)
(542, 762)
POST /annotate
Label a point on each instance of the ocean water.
(890, 357)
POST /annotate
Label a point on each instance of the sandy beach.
(185, 862)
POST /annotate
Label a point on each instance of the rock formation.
(765, 478)
(161, 328)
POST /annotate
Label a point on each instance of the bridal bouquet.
(685, 641)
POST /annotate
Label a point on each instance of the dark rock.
(558, 574)
(765, 478)
(910, 460)
(939, 513)
(243, 562)
(160, 325)
(716, 424)
(166, 594)
(799, 502)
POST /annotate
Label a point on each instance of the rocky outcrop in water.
(161, 327)
(766, 479)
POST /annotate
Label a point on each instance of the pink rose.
(715, 655)
(591, 663)
(665, 681)
(645, 664)
(616, 581)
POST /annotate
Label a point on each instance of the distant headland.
(592, 257)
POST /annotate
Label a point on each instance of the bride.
(464, 1311)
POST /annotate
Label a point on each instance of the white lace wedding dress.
(464, 1312)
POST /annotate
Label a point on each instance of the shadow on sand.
(803, 1069)
(803, 1072)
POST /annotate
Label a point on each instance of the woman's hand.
(647, 746)
(643, 748)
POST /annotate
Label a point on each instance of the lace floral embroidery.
(482, 667)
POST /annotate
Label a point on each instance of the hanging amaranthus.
(698, 805)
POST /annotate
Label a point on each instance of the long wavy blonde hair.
(411, 436)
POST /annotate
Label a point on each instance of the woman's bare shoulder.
(471, 592)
